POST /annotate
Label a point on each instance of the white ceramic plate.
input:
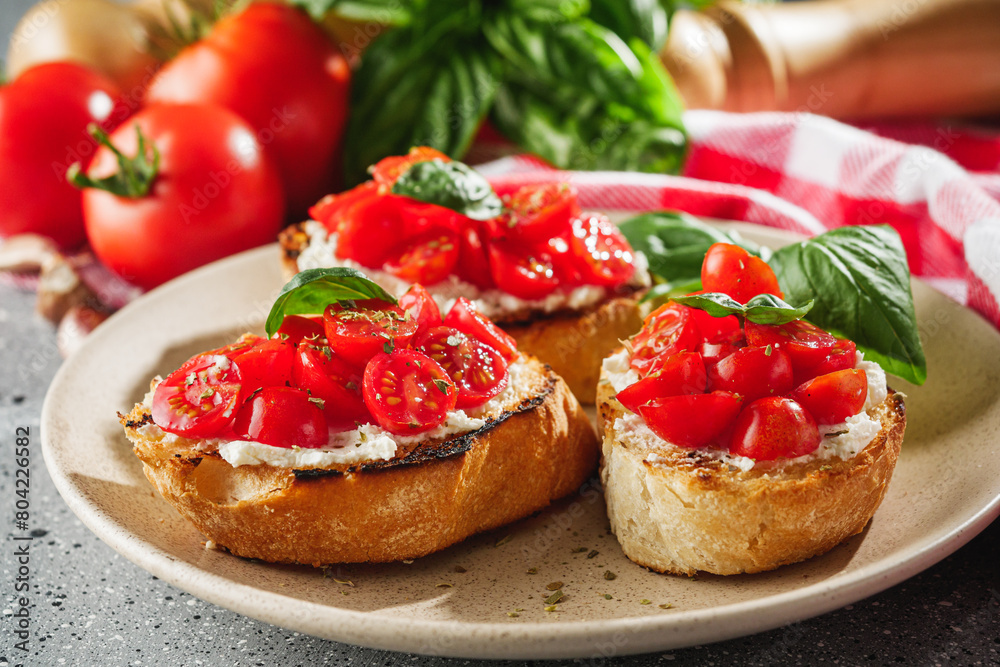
(946, 488)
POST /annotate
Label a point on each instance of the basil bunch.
(547, 73)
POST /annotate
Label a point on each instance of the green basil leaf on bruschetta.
(675, 243)
(762, 309)
(311, 291)
(451, 185)
(860, 281)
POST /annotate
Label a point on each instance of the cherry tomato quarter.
(691, 420)
(521, 271)
(754, 372)
(834, 397)
(282, 417)
(324, 376)
(299, 328)
(681, 373)
(772, 428)
(604, 256)
(268, 364)
(806, 344)
(466, 318)
(667, 330)
(422, 307)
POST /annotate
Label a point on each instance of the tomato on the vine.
(833, 397)
(44, 114)
(691, 420)
(356, 335)
(669, 329)
(478, 370)
(275, 68)
(199, 398)
(407, 392)
(282, 417)
(774, 427)
(466, 318)
(730, 269)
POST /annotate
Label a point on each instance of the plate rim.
(488, 639)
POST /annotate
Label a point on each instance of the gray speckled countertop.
(90, 606)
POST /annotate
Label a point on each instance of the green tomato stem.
(135, 175)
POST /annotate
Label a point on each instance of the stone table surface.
(90, 606)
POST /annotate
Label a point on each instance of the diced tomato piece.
(520, 271)
(713, 353)
(199, 399)
(330, 209)
(691, 420)
(842, 357)
(282, 417)
(730, 269)
(833, 397)
(466, 318)
(601, 250)
(478, 370)
(428, 258)
(717, 329)
(356, 335)
(266, 365)
(805, 343)
(419, 303)
(320, 373)
(369, 230)
(772, 428)
(298, 328)
(754, 372)
(667, 330)
(473, 259)
(673, 375)
(407, 392)
(386, 171)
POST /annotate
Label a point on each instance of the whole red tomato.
(44, 115)
(215, 193)
(274, 67)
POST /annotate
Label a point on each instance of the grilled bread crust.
(679, 512)
(573, 342)
(432, 495)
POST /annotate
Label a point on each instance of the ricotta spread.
(321, 252)
(853, 435)
(368, 442)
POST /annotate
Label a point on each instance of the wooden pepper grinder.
(840, 58)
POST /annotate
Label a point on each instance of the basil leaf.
(675, 243)
(451, 185)
(644, 19)
(311, 291)
(419, 86)
(859, 279)
(762, 309)
(384, 12)
(580, 97)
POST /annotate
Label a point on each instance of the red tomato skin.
(358, 335)
(691, 420)
(753, 372)
(413, 373)
(833, 397)
(266, 365)
(466, 318)
(522, 272)
(730, 269)
(713, 353)
(681, 373)
(217, 194)
(536, 213)
(298, 328)
(199, 399)
(717, 329)
(330, 209)
(44, 115)
(772, 428)
(667, 330)
(422, 307)
(603, 255)
(277, 70)
(473, 260)
(842, 357)
(368, 229)
(427, 258)
(805, 343)
(282, 417)
(322, 375)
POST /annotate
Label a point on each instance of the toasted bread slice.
(536, 446)
(681, 512)
(573, 342)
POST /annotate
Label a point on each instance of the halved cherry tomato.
(667, 330)
(520, 271)
(754, 372)
(358, 334)
(298, 328)
(199, 398)
(536, 213)
(319, 372)
(428, 258)
(834, 397)
(266, 365)
(419, 303)
(841, 357)
(805, 343)
(676, 374)
(772, 428)
(387, 170)
(473, 260)
(730, 269)
(464, 317)
(691, 420)
(369, 229)
(407, 392)
(603, 254)
(282, 417)
(478, 370)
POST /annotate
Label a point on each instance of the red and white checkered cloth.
(937, 185)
